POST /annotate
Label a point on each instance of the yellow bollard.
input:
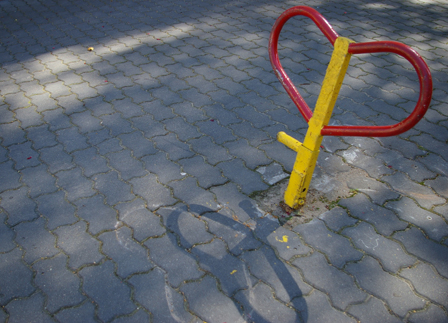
(308, 152)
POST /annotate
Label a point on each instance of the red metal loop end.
(326, 29)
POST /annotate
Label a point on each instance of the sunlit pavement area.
(126, 171)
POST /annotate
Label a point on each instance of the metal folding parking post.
(308, 151)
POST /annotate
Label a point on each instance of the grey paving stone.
(139, 316)
(125, 165)
(23, 155)
(337, 218)
(78, 245)
(37, 242)
(260, 306)
(369, 146)
(407, 148)
(256, 119)
(178, 264)
(417, 244)
(28, 310)
(38, 180)
(96, 213)
(113, 188)
(56, 158)
(427, 282)
(384, 221)
(83, 91)
(52, 277)
(175, 148)
(138, 144)
(11, 133)
(160, 165)
(143, 222)
(339, 286)
(155, 194)
(221, 115)
(3, 155)
(18, 206)
(337, 248)
(435, 163)
(90, 161)
(280, 153)
(415, 170)
(28, 117)
(181, 128)
(395, 292)
(316, 308)
(442, 210)
(332, 164)
(86, 122)
(254, 136)
(167, 96)
(15, 277)
(197, 199)
(237, 235)
(57, 119)
(372, 166)
(285, 242)
(235, 204)
(372, 311)
(129, 256)
(56, 210)
(272, 174)
(116, 124)
(215, 307)
(248, 180)
(433, 225)
(108, 146)
(44, 102)
(424, 196)
(6, 235)
(218, 133)
(377, 191)
(98, 107)
(431, 144)
(390, 254)
(167, 309)
(41, 137)
(212, 153)
(76, 185)
(84, 313)
(251, 156)
(440, 185)
(9, 178)
(107, 291)
(283, 278)
(71, 103)
(149, 126)
(190, 229)
(230, 271)
(158, 110)
(127, 108)
(432, 315)
(205, 174)
(189, 111)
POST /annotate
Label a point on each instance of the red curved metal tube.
(327, 30)
(425, 80)
(424, 76)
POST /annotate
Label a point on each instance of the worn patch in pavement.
(324, 193)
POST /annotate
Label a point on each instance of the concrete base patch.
(324, 193)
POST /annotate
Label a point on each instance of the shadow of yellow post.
(308, 152)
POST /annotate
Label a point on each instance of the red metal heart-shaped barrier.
(403, 50)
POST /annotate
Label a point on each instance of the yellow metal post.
(308, 152)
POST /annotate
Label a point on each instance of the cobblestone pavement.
(126, 171)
